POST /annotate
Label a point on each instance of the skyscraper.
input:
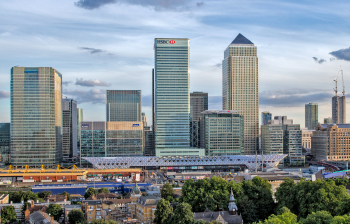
(240, 90)
(5, 139)
(338, 110)
(123, 105)
(266, 116)
(198, 104)
(80, 118)
(171, 96)
(36, 116)
(221, 133)
(311, 115)
(69, 131)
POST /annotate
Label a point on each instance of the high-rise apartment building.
(240, 89)
(171, 96)
(338, 110)
(80, 118)
(198, 104)
(69, 130)
(222, 133)
(5, 139)
(123, 105)
(311, 115)
(266, 116)
(36, 116)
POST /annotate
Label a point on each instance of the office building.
(266, 116)
(172, 97)
(222, 133)
(240, 89)
(144, 119)
(331, 142)
(281, 136)
(327, 120)
(311, 115)
(198, 104)
(338, 110)
(5, 140)
(80, 118)
(123, 105)
(306, 139)
(272, 138)
(111, 139)
(69, 131)
(124, 138)
(36, 116)
(148, 142)
(92, 140)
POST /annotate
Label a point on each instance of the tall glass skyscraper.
(266, 116)
(338, 110)
(240, 89)
(198, 104)
(80, 118)
(36, 116)
(171, 95)
(311, 115)
(5, 142)
(123, 105)
(69, 131)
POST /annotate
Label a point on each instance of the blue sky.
(108, 44)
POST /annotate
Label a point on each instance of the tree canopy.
(76, 216)
(8, 215)
(163, 212)
(167, 192)
(55, 210)
(89, 192)
(103, 190)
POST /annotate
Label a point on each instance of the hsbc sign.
(166, 42)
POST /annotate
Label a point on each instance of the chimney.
(10, 202)
(32, 203)
(52, 220)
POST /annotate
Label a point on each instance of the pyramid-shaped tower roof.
(240, 39)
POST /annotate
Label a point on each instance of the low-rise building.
(145, 208)
(225, 217)
(4, 198)
(41, 217)
(17, 207)
(92, 210)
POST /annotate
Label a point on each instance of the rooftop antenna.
(342, 80)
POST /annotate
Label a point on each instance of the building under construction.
(339, 103)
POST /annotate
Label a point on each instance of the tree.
(101, 221)
(76, 216)
(286, 195)
(8, 215)
(163, 212)
(167, 192)
(320, 217)
(341, 219)
(89, 192)
(103, 190)
(55, 210)
(285, 217)
(44, 194)
(183, 214)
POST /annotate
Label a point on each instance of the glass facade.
(92, 140)
(311, 115)
(123, 105)
(240, 87)
(5, 142)
(69, 131)
(222, 133)
(292, 144)
(36, 116)
(171, 95)
(272, 139)
(265, 117)
(111, 139)
(198, 104)
(80, 118)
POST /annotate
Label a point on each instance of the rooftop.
(240, 39)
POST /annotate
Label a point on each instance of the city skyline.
(104, 47)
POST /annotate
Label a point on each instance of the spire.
(240, 39)
(232, 199)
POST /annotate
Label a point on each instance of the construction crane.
(342, 79)
(336, 85)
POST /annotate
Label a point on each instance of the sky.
(108, 44)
